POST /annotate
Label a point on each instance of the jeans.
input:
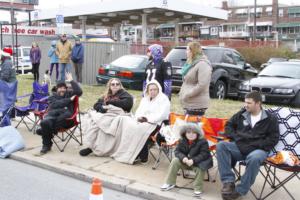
(176, 165)
(228, 153)
(51, 69)
(64, 67)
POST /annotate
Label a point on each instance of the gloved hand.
(185, 159)
(190, 162)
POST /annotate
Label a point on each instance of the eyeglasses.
(115, 84)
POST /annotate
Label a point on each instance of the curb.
(119, 184)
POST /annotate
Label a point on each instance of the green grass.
(217, 108)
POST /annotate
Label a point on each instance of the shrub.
(259, 55)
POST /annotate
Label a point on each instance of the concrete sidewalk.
(139, 180)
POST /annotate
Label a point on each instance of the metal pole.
(29, 19)
(12, 19)
(17, 46)
(1, 36)
(254, 25)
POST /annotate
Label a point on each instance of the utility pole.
(12, 21)
(254, 25)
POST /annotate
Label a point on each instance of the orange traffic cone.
(96, 192)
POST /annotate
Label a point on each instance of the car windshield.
(128, 61)
(214, 55)
(177, 57)
(287, 70)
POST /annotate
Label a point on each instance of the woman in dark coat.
(115, 95)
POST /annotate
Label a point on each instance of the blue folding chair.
(37, 102)
(8, 93)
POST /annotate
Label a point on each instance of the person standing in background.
(35, 58)
(77, 58)
(158, 69)
(63, 51)
(53, 59)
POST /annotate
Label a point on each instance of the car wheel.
(296, 102)
(219, 91)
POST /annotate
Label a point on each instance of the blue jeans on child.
(228, 153)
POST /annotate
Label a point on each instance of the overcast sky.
(45, 4)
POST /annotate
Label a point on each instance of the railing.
(237, 34)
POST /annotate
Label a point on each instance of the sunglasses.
(114, 84)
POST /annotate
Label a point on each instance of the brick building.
(271, 20)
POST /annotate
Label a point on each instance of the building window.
(280, 12)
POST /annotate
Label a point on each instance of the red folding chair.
(64, 135)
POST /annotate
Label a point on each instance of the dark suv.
(229, 69)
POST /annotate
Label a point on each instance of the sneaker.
(228, 188)
(45, 149)
(233, 196)
(197, 193)
(39, 131)
(166, 187)
(85, 152)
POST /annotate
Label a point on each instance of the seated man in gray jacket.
(253, 132)
(7, 72)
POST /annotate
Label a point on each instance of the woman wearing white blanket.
(154, 108)
(121, 136)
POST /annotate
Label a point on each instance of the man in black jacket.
(60, 108)
(253, 132)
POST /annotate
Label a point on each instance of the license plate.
(263, 97)
(112, 72)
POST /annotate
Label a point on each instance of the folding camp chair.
(211, 128)
(8, 93)
(289, 127)
(64, 135)
(37, 103)
(289, 140)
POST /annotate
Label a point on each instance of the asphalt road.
(26, 182)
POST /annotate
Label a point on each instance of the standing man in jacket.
(63, 51)
(253, 132)
(60, 108)
(77, 58)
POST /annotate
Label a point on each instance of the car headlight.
(283, 91)
(245, 86)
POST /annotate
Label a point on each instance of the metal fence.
(95, 54)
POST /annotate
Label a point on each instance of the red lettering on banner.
(5, 30)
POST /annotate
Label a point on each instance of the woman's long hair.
(195, 49)
(108, 92)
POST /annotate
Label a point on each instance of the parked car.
(22, 60)
(279, 82)
(272, 60)
(229, 69)
(130, 69)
